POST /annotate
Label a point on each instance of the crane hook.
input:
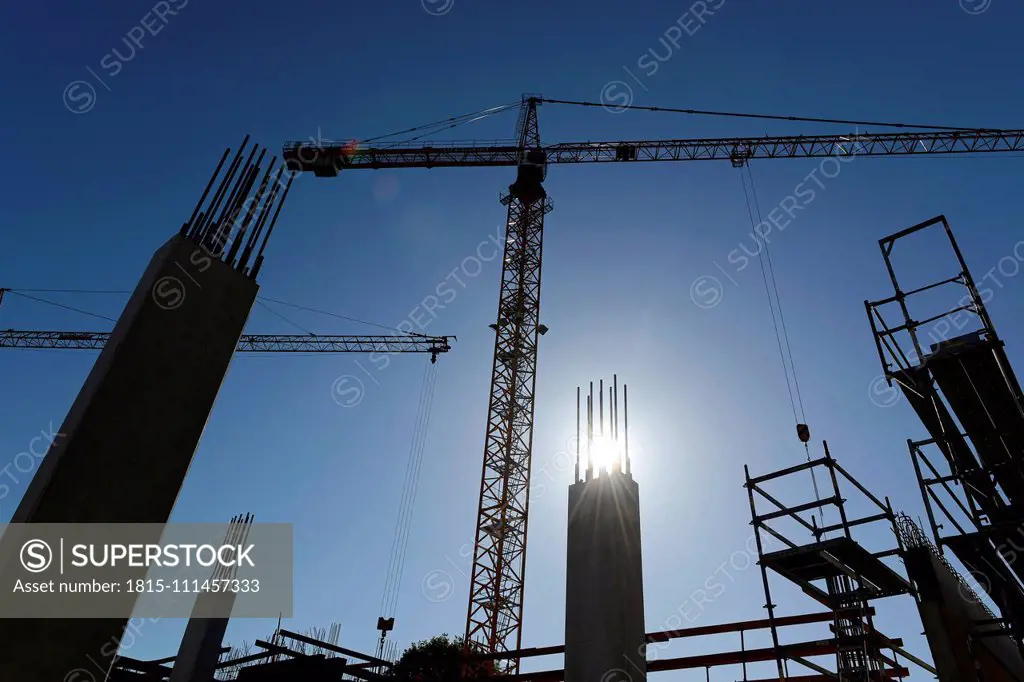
(803, 432)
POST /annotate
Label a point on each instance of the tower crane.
(499, 560)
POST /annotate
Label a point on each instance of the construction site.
(828, 550)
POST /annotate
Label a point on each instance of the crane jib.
(326, 159)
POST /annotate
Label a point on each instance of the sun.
(605, 453)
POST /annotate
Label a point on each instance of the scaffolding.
(287, 656)
(833, 568)
(967, 396)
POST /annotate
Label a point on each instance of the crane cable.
(259, 299)
(328, 313)
(782, 340)
(774, 117)
(403, 524)
(21, 292)
(444, 124)
(778, 303)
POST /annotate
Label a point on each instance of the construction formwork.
(832, 567)
(965, 392)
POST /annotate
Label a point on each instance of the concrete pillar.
(604, 605)
(128, 439)
(199, 651)
(948, 607)
(200, 647)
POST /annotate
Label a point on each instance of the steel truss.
(248, 343)
(499, 558)
(327, 159)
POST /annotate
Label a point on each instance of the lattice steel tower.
(499, 556)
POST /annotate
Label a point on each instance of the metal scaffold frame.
(966, 395)
(853, 575)
(891, 353)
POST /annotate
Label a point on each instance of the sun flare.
(605, 452)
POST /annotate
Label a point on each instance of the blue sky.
(88, 196)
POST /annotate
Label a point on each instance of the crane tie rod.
(437, 126)
(774, 117)
(21, 293)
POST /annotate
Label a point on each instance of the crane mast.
(499, 559)
(493, 624)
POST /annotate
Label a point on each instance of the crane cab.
(532, 170)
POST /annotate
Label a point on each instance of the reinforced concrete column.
(128, 440)
(604, 607)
